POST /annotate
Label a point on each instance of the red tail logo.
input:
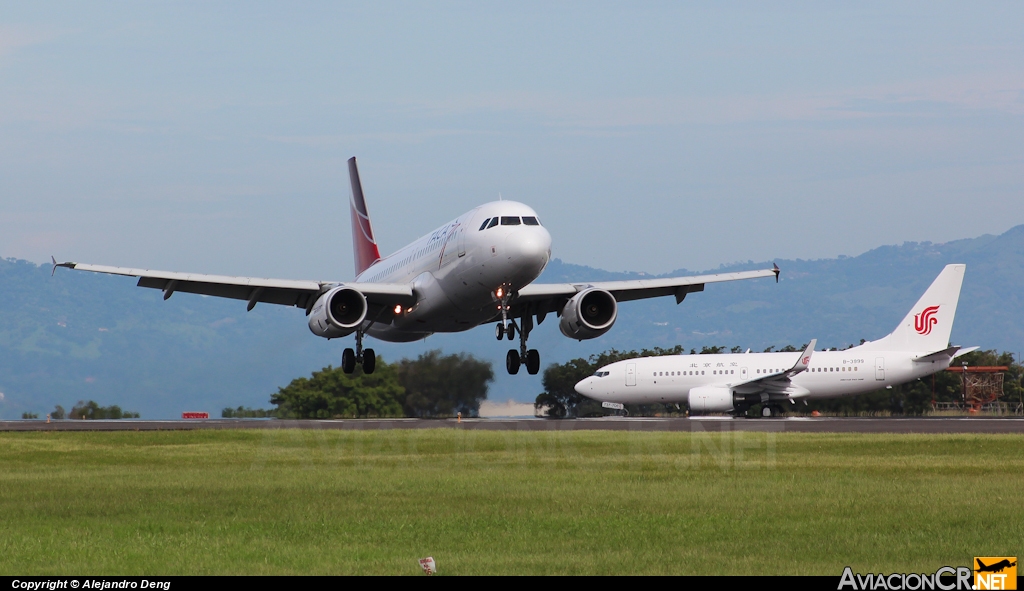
(924, 321)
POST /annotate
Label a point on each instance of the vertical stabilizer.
(364, 246)
(928, 325)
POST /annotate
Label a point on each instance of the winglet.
(805, 359)
(776, 269)
(56, 264)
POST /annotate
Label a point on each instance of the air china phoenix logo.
(924, 321)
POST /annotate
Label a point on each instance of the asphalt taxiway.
(791, 424)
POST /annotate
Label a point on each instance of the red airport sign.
(195, 415)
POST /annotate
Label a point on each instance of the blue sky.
(211, 137)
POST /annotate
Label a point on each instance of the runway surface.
(793, 424)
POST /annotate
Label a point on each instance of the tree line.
(86, 410)
(560, 399)
(432, 385)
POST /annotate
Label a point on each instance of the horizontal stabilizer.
(965, 351)
(945, 354)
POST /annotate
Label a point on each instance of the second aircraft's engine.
(589, 314)
(710, 399)
(337, 313)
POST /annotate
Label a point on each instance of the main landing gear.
(528, 357)
(366, 357)
(507, 327)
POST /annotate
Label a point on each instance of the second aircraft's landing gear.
(366, 357)
(771, 410)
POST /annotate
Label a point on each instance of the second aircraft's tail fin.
(364, 246)
(928, 324)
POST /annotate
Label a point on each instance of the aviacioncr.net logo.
(946, 578)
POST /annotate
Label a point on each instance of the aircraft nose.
(529, 245)
(585, 386)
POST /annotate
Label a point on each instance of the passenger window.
(529, 220)
(484, 225)
(494, 222)
(509, 220)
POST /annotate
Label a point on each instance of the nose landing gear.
(366, 357)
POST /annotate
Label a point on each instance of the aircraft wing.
(286, 292)
(547, 297)
(780, 380)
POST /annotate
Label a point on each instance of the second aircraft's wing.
(287, 292)
(779, 381)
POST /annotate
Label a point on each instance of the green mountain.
(77, 336)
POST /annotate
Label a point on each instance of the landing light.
(499, 292)
(398, 309)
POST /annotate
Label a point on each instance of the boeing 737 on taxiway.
(734, 382)
(476, 269)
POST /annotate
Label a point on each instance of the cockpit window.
(601, 374)
(509, 220)
(494, 222)
(529, 220)
(484, 225)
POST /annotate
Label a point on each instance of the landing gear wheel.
(532, 362)
(766, 411)
(511, 332)
(512, 362)
(369, 361)
(348, 361)
(499, 330)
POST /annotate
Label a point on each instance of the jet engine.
(589, 314)
(337, 313)
(710, 399)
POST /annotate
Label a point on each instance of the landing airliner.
(732, 383)
(476, 269)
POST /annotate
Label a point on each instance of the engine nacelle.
(710, 399)
(589, 314)
(337, 313)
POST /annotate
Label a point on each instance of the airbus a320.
(477, 269)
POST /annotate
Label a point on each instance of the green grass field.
(373, 502)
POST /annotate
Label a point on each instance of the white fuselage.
(670, 378)
(456, 269)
